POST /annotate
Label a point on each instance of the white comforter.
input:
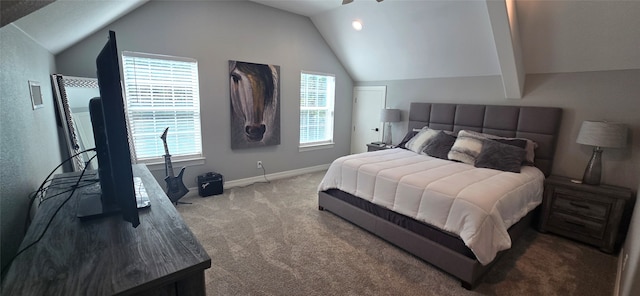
(477, 204)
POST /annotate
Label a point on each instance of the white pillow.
(466, 147)
(421, 139)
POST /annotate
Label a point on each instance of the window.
(161, 92)
(317, 94)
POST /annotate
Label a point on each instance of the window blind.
(161, 92)
(317, 93)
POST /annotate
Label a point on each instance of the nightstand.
(596, 215)
(376, 147)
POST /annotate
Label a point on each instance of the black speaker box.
(210, 184)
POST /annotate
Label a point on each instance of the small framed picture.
(36, 94)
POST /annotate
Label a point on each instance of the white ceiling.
(303, 7)
(62, 23)
(404, 39)
(412, 39)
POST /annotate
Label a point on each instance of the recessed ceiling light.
(357, 25)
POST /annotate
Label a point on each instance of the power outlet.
(259, 164)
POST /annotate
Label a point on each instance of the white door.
(366, 125)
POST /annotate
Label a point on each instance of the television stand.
(106, 256)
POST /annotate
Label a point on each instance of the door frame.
(356, 89)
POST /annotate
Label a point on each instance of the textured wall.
(602, 95)
(29, 146)
(213, 33)
(575, 36)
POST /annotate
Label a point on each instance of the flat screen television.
(117, 192)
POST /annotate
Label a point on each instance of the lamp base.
(594, 169)
(387, 139)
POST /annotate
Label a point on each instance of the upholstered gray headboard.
(539, 124)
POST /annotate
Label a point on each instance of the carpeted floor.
(271, 239)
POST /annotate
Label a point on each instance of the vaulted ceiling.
(410, 39)
(62, 23)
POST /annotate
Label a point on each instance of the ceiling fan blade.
(379, 1)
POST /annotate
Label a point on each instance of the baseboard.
(193, 191)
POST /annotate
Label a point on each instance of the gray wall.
(29, 146)
(603, 95)
(214, 32)
(629, 259)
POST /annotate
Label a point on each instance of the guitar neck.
(168, 167)
(166, 147)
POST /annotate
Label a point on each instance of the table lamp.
(600, 135)
(388, 116)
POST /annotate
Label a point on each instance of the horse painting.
(255, 108)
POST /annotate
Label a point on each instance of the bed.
(394, 194)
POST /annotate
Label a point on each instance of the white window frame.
(331, 94)
(195, 156)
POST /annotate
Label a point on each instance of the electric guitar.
(175, 186)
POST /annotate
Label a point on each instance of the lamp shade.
(390, 115)
(602, 134)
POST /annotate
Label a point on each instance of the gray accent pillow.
(440, 145)
(406, 138)
(499, 156)
(522, 143)
(529, 148)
